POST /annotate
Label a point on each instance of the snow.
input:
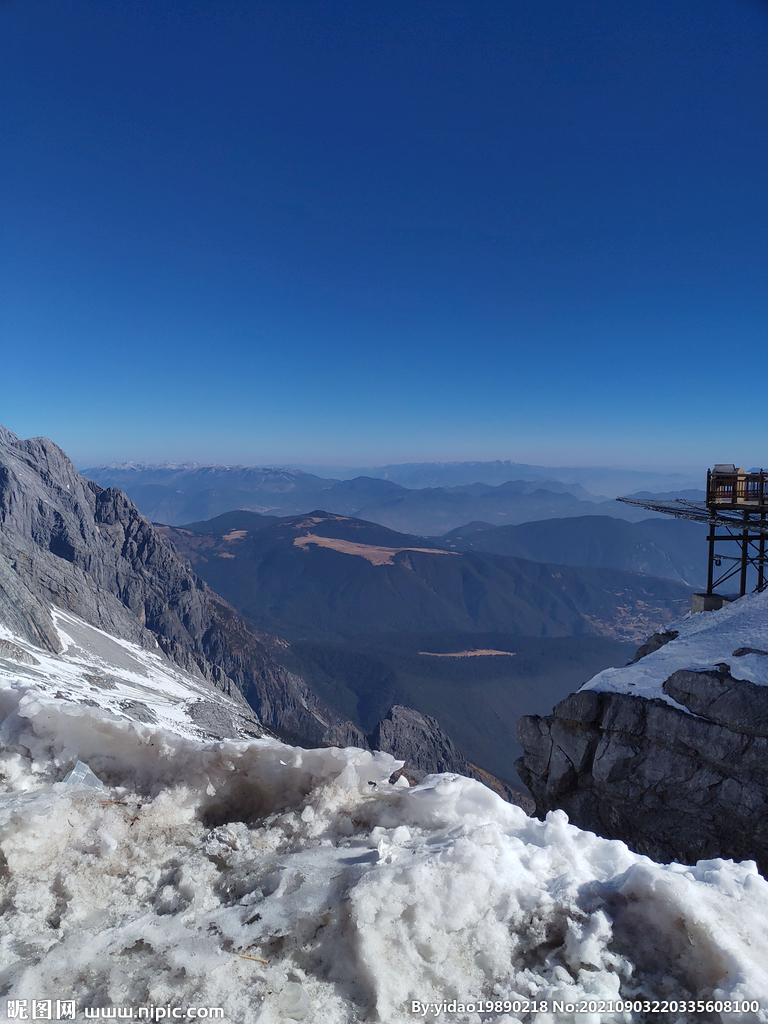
(112, 673)
(705, 640)
(286, 884)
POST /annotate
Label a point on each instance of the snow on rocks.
(704, 641)
(668, 753)
(105, 671)
(279, 883)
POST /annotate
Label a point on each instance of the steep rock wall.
(676, 783)
(68, 542)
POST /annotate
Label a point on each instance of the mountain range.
(594, 479)
(666, 547)
(371, 617)
(176, 494)
(323, 576)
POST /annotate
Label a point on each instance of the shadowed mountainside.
(325, 577)
(668, 548)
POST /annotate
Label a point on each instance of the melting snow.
(281, 883)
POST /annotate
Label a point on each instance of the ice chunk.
(26, 805)
(294, 1001)
(81, 777)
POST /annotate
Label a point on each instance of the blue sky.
(370, 231)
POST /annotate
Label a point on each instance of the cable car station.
(735, 507)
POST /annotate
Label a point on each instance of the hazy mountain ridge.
(175, 495)
(434, 511)
(665, 547)
(594, 479)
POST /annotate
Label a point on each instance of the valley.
(476, 699)
(371, 618)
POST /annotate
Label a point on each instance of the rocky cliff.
(421, 743)
(670, 753)
(66, 542)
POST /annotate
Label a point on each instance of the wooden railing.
(732, 490)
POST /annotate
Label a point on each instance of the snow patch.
(705, 640)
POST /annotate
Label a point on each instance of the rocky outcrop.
(737, 704)
(419, 741)
(67, 542)
(653, 643)
(676, 783)
(426, 749)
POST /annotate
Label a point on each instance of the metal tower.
(735, 508)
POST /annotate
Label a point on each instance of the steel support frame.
(747, 526)
(752, 553)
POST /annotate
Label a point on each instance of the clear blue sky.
(369, 231)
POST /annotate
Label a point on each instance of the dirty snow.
(287, 884)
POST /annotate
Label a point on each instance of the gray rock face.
(16, 653)
(68, 542)
(737, 704)
(653, 643)
(419, 741)
(673, 785)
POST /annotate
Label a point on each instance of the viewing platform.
(735, 509)
(731, 488)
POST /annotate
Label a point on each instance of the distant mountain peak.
(183, 466)
(148, 465)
